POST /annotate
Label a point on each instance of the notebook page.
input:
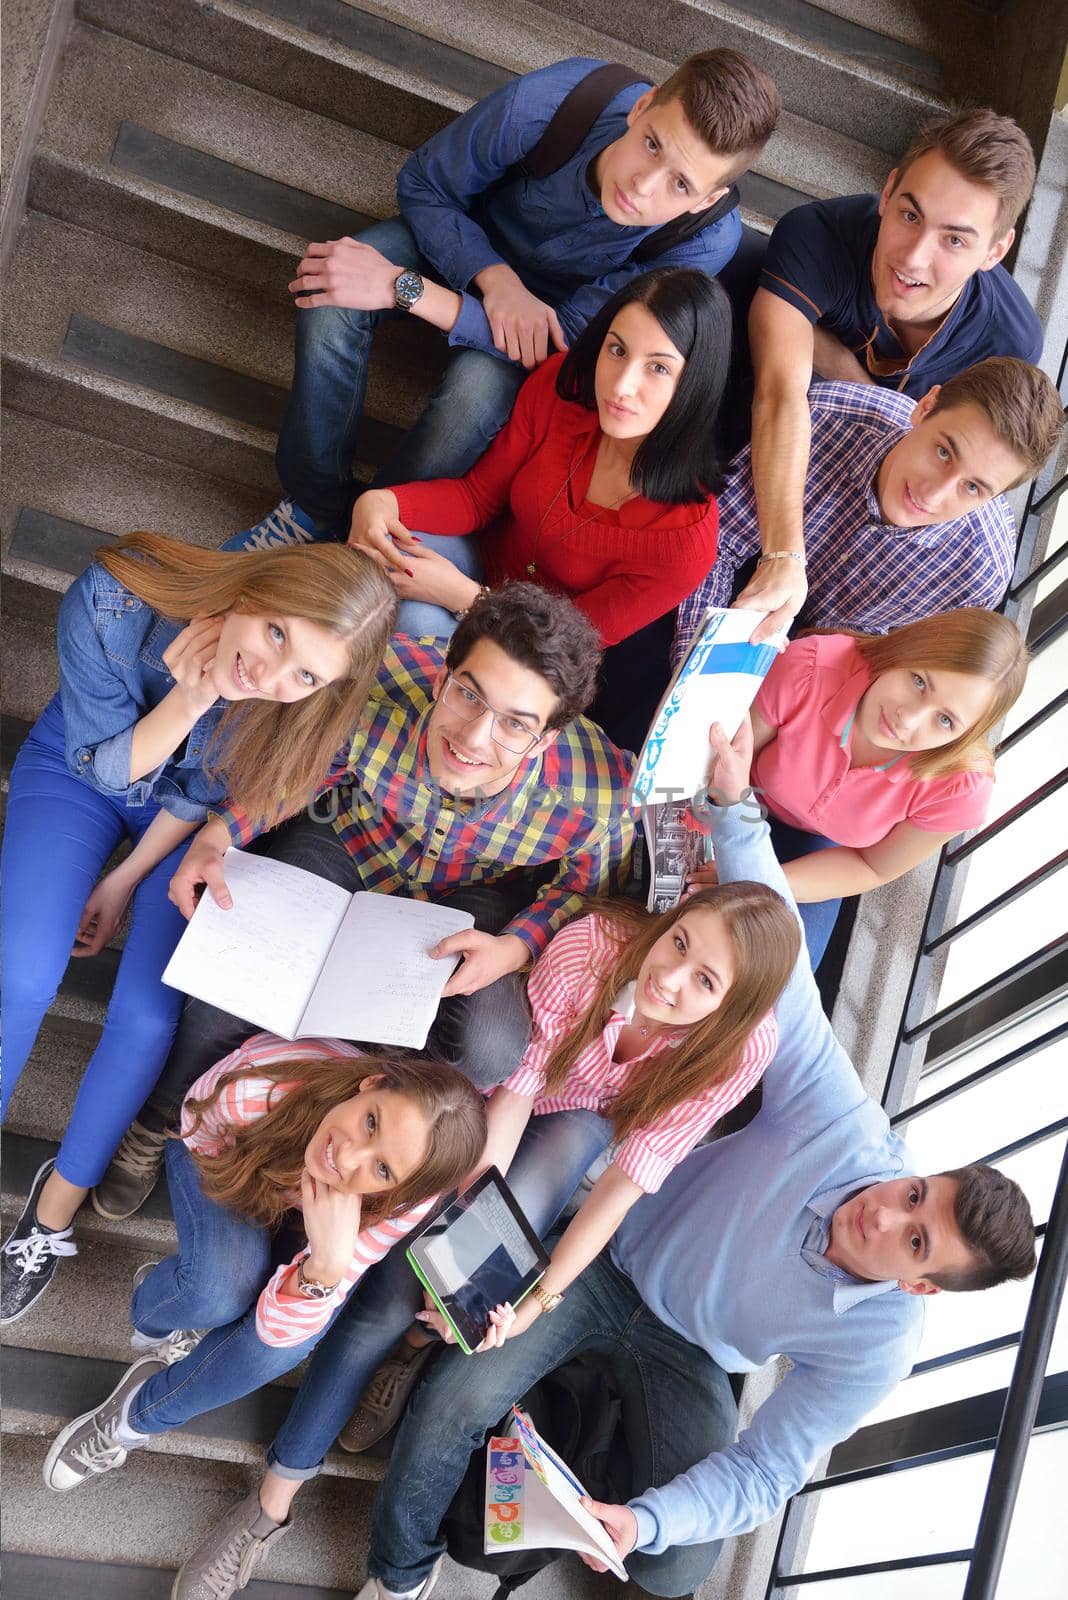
(260, 959)
(378, 983)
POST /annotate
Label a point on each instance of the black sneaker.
(30, 1255)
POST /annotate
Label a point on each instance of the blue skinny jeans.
(553, 1155)
(818, 917)
(214, 1281)
(318, 438)
(59, 834)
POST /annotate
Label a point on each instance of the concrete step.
(855, 82)
(167, 341)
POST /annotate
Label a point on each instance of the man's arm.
(782, 345)
(833, 362)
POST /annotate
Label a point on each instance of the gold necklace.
(532, 564)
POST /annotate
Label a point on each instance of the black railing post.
(1021, 1403)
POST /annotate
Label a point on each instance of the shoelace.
(182, 1342)
(139, 1152)
(30, 1254)
(379, 1396)
(101, 1451)
(279, 527)
(234, 1566)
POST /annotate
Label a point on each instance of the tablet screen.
(478, 1253)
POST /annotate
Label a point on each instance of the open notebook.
(303, 957)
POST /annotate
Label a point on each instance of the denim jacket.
(112, 673)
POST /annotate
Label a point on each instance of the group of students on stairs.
(467, 654)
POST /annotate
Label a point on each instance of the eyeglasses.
(507, 731)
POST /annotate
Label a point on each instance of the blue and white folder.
(716, 682)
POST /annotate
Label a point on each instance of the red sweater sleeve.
(463, 505)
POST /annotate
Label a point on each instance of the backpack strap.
(575, 116)
(679, 229)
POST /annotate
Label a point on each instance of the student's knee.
(676, 1572)
(216, 1304)
(478, 393)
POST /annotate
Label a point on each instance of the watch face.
(407, 289)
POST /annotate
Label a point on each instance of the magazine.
(717, 681)
(532, 1500)
(304, 958)
(678, 844)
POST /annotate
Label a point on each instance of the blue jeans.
(818, 917)
(554, 1153)
(421, 618)
(318, 437)
(677, 1409)
(60, 833)
(214, 1281)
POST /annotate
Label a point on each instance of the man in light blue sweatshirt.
(803, 1235)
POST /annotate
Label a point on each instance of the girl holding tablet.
(872, 752)
(185, 675)
(354, 1148)
(602, 478)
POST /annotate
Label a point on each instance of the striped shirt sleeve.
(561, 981)
(648, 1155)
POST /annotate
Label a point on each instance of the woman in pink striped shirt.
(646, 1031)
(353, 1148)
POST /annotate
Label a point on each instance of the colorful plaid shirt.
(407, 835)
(862, 573)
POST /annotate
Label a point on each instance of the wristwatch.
(406, 290)
(547, 1301)
(311, 1288)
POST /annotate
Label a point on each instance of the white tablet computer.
(479, 1252)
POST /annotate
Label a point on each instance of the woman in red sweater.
(601, 482)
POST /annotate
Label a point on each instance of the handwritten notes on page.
(303, 957)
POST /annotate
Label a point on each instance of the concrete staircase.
(186, 152)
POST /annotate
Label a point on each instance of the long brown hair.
(267, 753)
(766, 939)
(259, 1172)
(982, 644)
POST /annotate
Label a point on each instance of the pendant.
(530, 568)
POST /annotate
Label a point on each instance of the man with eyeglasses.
(472, 779)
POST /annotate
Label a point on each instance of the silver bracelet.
(483, 591)
(782, 555)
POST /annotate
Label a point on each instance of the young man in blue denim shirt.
(505, 265)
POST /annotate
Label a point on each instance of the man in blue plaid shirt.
(904, 507)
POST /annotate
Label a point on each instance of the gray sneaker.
(170, 1347)
(386, 1396)
(88, 1446)
(223, 1564)
(374, 1589)
(131, 1177)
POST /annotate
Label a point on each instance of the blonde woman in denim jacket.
(186, 676)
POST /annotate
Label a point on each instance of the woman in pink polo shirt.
(871, 751)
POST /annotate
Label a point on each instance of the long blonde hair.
(766, 939)
(271, 754)
(982, 644)
(259, 1172)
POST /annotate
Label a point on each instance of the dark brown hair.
(766, 938)
(996, 1224)
(983, 644)
(543, 632)
(988, 150)
(271, 755)
(730, 103)
(258, 1174)
(1018, 400)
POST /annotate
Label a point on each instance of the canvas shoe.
(223, 1564)
(90, 1446)
(287, 524)
(170, 1347)
(131, 1175)
(30, 1255)
(386, 1396)
(375, 1589)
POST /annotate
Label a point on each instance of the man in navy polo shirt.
(504, 264)
(904, 290)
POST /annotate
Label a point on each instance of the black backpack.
(569, 125)
(578, 1410)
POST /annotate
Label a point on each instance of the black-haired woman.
(602, 482)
